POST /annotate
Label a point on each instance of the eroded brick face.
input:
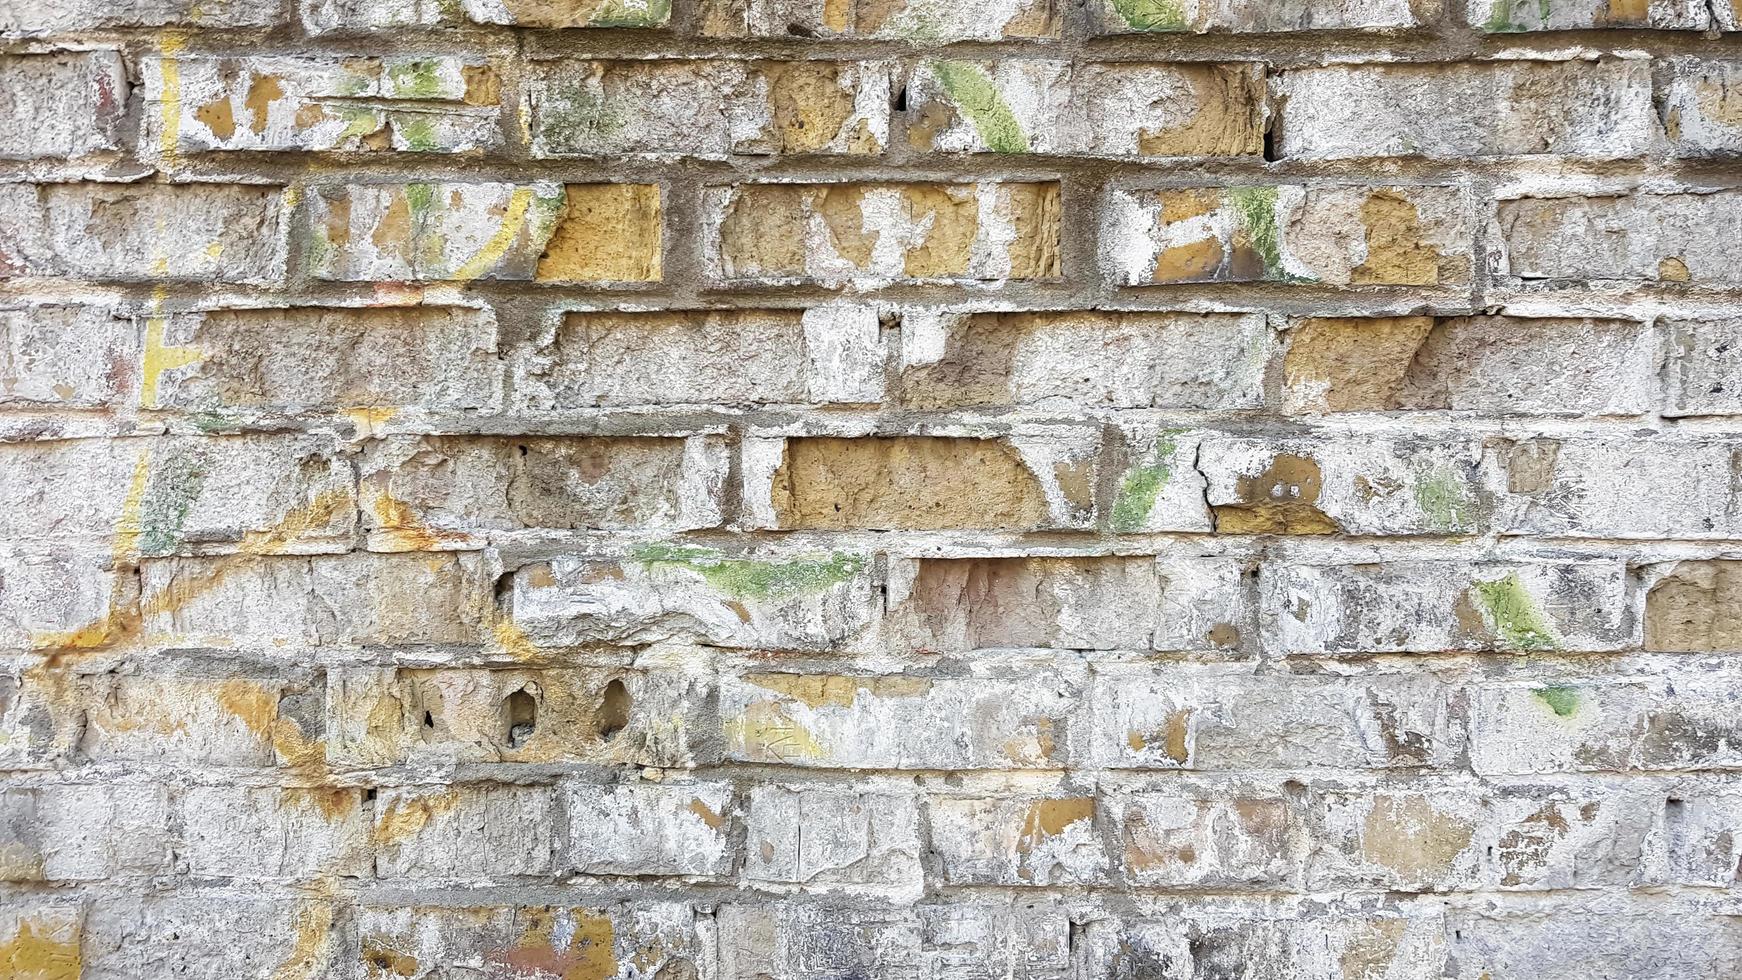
(874, 489)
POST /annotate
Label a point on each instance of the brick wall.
(738, 489)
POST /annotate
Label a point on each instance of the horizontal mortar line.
(1102, 783)
(330, 168)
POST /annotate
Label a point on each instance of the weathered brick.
(1337, 938)
(428, 105)
(1255, 16)
(1396, 840)
(276, 832)
(1102, 110)
(305, 359)
(1684, 720)
(455, 231)
(1619, 488)
(1340, 236)
(1490, 364)
(450, 715)
(1511, 16)
(1426, 607)
(361, 16)
(1355, 485)
(1046, 479)
(42, 936)
(212, 933)
(649, 828)
(1696, 607)
(436, 491)
(155, 496)
(602, 940)
(1699, 107)
(1703, 840)
(841, 232)
(1017, 840)
(67, 356)
(61, 16)
(951, 605)
(63, 105)
(917, 21)
(1083, 360)
(1668, 937)
(1705, 361)
(1227, 720)
(784, 600)
(1659, 237)
(45, 598)
(1160, 487)
(1194, 837)
(79, 832)
(709, 108)
(231, 233)
(828, 839)
(732, 357)
(1598, 109)
(464, 830)
(194, 720)
(897, 722)
(358, 598)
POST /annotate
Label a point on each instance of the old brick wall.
(968, 489)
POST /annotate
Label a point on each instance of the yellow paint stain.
(511, 640)
(398, 523)
(312, 516)
(41, 952)
(828, 690)
(709, 817)
(406, 817)
(573, 944)
(158, 358)
(314, 922)
(497, 246)
(369, 419)
(765, 732)
(214, 250)
(1046, 819)
(172, 45)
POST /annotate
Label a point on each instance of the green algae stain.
(1256, 209)
(1152, 15)
(1513, 614)
(631, 13)
(1444, 501)
(1143, 483)
(174, 487)
(574, 119)
(743, 578)
(971, 89)
(1563, 701)
(420, 79)
(420, 135)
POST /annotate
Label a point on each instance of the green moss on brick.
(743, 578)
(415, 79)
(1142, 483)
(1564, 701)
(1152, 15)
(974, 95)
(632, 13)
(1444, 501)
(1256, 209)
(1513, 614)
(575, 119)
(163, 511)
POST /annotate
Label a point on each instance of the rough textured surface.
(870, 490)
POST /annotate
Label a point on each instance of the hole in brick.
(428, 721)
(613, 710)
(522, 449)
(901, 100)
(369, 795)
(799, 30)
(522, 714)
(1270, 144)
